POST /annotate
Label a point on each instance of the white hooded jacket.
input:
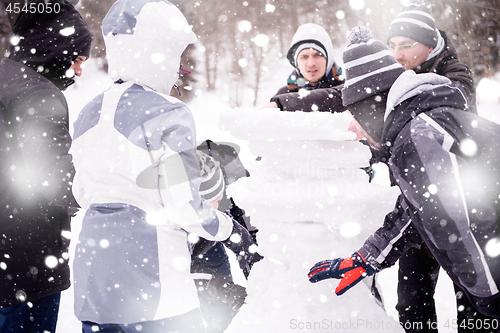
(138, 176)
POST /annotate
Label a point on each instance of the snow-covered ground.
(310, 200)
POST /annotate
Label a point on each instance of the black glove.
(221, 287)
(244, 248)
(242, 218)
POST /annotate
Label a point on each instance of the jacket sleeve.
(44, 142)
(461, 77)
(322, 99)
(393, 239)
(180, 179)
(447, 193)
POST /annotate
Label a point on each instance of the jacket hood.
(413, 94)
(313, 34)
(50, 42)
(144, 42)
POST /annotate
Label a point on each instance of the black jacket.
(35, 177)
(327, 96)
(36, 170)
(444, 161)
(446, 63)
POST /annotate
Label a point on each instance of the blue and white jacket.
(138, 177)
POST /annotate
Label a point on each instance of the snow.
(310, 200)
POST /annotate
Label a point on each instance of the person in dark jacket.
(35, 168)
(442, 158)
(311, 55)
(417, 45)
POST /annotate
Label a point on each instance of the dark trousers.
(190, 322)
(31, 317)
(417, 278)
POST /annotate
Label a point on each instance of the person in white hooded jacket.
(138, 177)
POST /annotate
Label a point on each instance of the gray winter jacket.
(445, 162)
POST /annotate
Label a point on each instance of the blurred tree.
(228, 59)
(93, 13)
(475, 30)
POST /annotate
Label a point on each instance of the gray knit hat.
(370, 68)
(415, 22)
(212, 179)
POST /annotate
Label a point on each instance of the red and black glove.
(350, 270)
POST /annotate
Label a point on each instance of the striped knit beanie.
(370, 68)
(212, 179)
(415, 22)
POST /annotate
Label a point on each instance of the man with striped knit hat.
(418, 45)
(443, 159)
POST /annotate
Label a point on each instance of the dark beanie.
(415, 22)
(50, 40)
(369, 67)
(212, 179)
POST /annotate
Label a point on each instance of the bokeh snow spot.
(51, 261)
(357, 4)
(66, 234)
(235, 238)
(67, 31)
(21, 295)
(493, 247)
(193, 239)
(350, 229)
(181, 263)
(157, 58)
(14, 40)
(432, 189)
(243, 62)
(244, 26)
(261, 40)
(468, 147)
(270, 8)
